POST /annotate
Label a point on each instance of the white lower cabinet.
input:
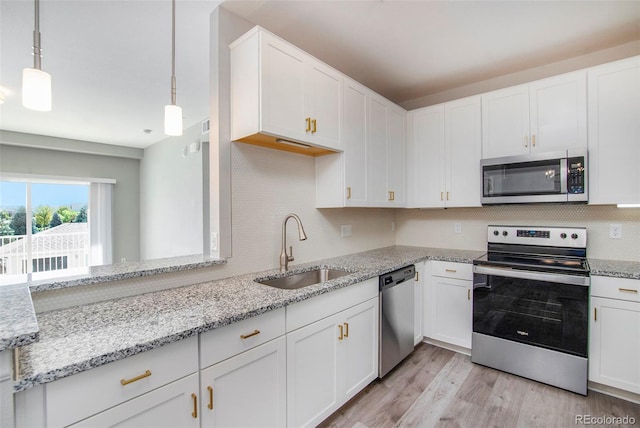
(449, 303)
(248, 390)
(173, 405)
(614, 333)
(329, 361)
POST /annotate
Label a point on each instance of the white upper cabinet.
(278, 90)
(354, 138)
(444, 155)
(614, 132)
(386, 153)
(543, 116)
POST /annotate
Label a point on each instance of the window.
(46, 228)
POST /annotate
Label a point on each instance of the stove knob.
(563, 235)
(496, 233)
(505, 233)
(574, 236)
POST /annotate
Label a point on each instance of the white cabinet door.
(358, 350)
(396, 156)
(377, 152)
(558, 112)
(505, 122)
(248, 390)
(312, 391)
(463, 142)
(451, 311)
(614, 343)
(354, 138)
(283, 89)
(173, 405)
(323, 104)
(428, 151)
(418, 297)
(614, 132)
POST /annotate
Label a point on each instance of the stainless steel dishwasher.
(396, 317)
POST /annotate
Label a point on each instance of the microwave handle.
(564, 172)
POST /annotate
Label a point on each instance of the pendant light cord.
(173, 52)
(37, 51)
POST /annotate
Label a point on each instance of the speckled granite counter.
(615, 268)
(120, 271)
(18, 323)
(80, 338)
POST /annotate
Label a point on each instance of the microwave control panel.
(575, 175)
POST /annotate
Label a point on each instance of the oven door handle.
(537, 276)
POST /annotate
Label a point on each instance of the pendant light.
(36, 84)
(172, 112)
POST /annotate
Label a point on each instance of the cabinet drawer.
(616, 288)
(84, 394)
(452, 270)
(317, 308)
(225, 342)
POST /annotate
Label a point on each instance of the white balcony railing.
(49, 252)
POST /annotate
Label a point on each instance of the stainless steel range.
(530, 304)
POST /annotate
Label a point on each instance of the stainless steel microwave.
(536, 178)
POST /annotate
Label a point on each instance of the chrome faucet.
(284, 257)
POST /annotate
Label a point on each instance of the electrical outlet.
(615, 231)
(345, 230)
(457, 228)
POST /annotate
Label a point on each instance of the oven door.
(520, 179)
(538, 309)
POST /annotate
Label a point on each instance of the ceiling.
(110, 60)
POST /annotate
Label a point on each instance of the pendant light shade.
(172, 112)
(36, 89)
(173, 120)
(36, 84)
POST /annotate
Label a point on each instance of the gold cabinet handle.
(210, 405)
(447, 196)
(392, 195)
(526, 141)
(595, 314)
(195, 406)
(308, 121)
(469, 294)
(348, 192)
(341, 332)
(533, 140)
(442, 196)
(451, 270)
(417, 278)
(246, 336)
(628, 290)
(346, 329)
(124, 382)
(315, 129)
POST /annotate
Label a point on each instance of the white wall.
(171, 197)
(435, 227)
(126, 191)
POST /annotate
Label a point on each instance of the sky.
(13, 194)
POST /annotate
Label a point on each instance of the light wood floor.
(435, 387)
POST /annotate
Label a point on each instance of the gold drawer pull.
(451, 270)
(417, 278)
(447, 196)
(195, 406)
(628, 290)
(533, 140)
(595, 314)
(124, 382)
(346, 329)
(341, 332)
(348, 192)
(246, 336)
(469, 294)
(442, 196)
(308, 120)
(210, 405)
(392, 195)
(315, 129)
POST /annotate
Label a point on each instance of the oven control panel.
(574, 237)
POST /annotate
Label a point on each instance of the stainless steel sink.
(303, 279)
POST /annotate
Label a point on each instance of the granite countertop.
(69, 341)
(614, 268)
(18, 323)
(80, 338)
